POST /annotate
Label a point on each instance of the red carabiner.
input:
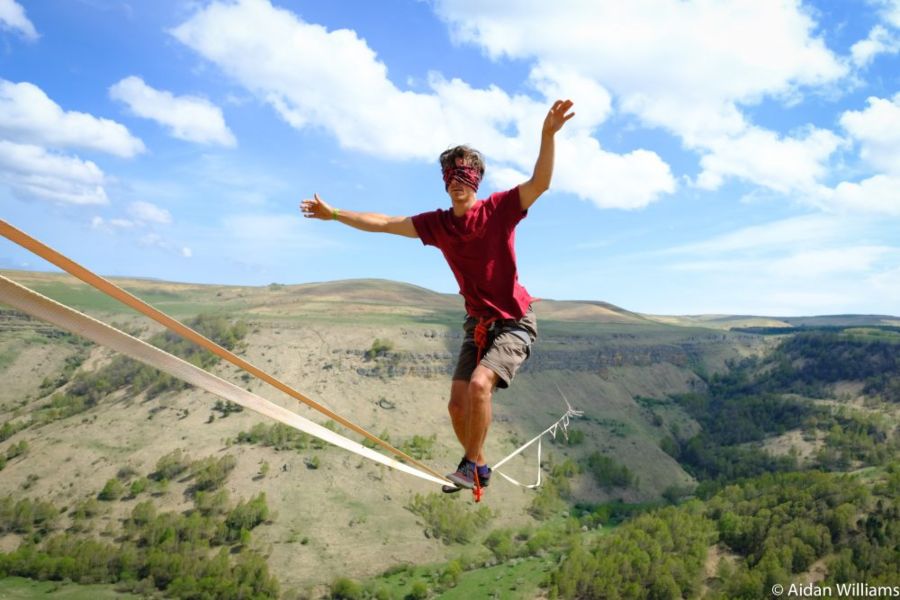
(477, 490)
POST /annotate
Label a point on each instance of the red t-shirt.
(480, 249)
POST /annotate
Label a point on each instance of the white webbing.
(71, 320)
(563, 423)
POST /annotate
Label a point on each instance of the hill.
(378, 352)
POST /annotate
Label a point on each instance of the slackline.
(109, 288)
(71, 320)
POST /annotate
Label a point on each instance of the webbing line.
(49, 254)
(62, 316)
(562, 422)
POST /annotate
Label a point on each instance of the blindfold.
(468, 176)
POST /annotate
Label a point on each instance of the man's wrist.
(335, 213)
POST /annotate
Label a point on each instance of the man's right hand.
(317, 209)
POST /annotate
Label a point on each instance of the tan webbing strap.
(51, 311)
(49, 254)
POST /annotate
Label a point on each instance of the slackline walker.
(71, 320)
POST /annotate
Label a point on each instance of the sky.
(727, 156)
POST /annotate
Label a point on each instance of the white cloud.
(795, 232)
(880, 41)
(802, 265)
(761, 156)
(110, 225)
(188, 118)
(149, 213)
(186, 252)
(686, 66)
(12, 16)
(879, 194)
(332, 79)
(877, 129)
(714, 52)
(27, 115)
(890, 11)
(828, 262)
(33, 172)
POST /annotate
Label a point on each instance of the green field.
(16, 588)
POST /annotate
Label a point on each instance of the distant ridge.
(402, 296)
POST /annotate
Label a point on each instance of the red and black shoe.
(465, 477)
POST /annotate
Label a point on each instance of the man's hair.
(470, 158)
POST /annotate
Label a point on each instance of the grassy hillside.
(84, 432)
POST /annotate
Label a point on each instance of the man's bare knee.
(480, 387)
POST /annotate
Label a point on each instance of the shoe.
(484, 475)
(465, 476)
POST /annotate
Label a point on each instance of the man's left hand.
(557, 116)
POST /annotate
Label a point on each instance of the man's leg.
(459, 412)
(458, 408)
(478, 417)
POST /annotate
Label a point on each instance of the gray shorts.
(509, 345)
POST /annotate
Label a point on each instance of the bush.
(346, 589)
(246, 516)
(379, 348)
(419, 591)
(20, 449)
(113, 490)
(171, 466)
(607, 472)
(451, 521)
(210, 473)
(138, 486)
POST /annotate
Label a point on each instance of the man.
(477, 238)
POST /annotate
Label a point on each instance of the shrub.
(346, 589)
(113, 490)
(171, 466)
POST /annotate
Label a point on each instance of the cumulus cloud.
(32, 172)
(783, 164)
(890, 11)
(879, 194)
(188, 118)
(877, 130)
(689, 67)
(719, 53)
(880, 41)
(333, 80)
(12, 16)
(29, 116)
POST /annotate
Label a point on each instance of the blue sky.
(726, 157)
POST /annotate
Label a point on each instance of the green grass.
(15, 588)
(506, 582)
(80, 297)
(84, 297)
(8, 356)
(870, 334)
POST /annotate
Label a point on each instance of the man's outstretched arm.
(319, 209)
(539, 183)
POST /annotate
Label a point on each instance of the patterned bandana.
(468, 176)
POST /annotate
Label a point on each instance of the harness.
(487, 329)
